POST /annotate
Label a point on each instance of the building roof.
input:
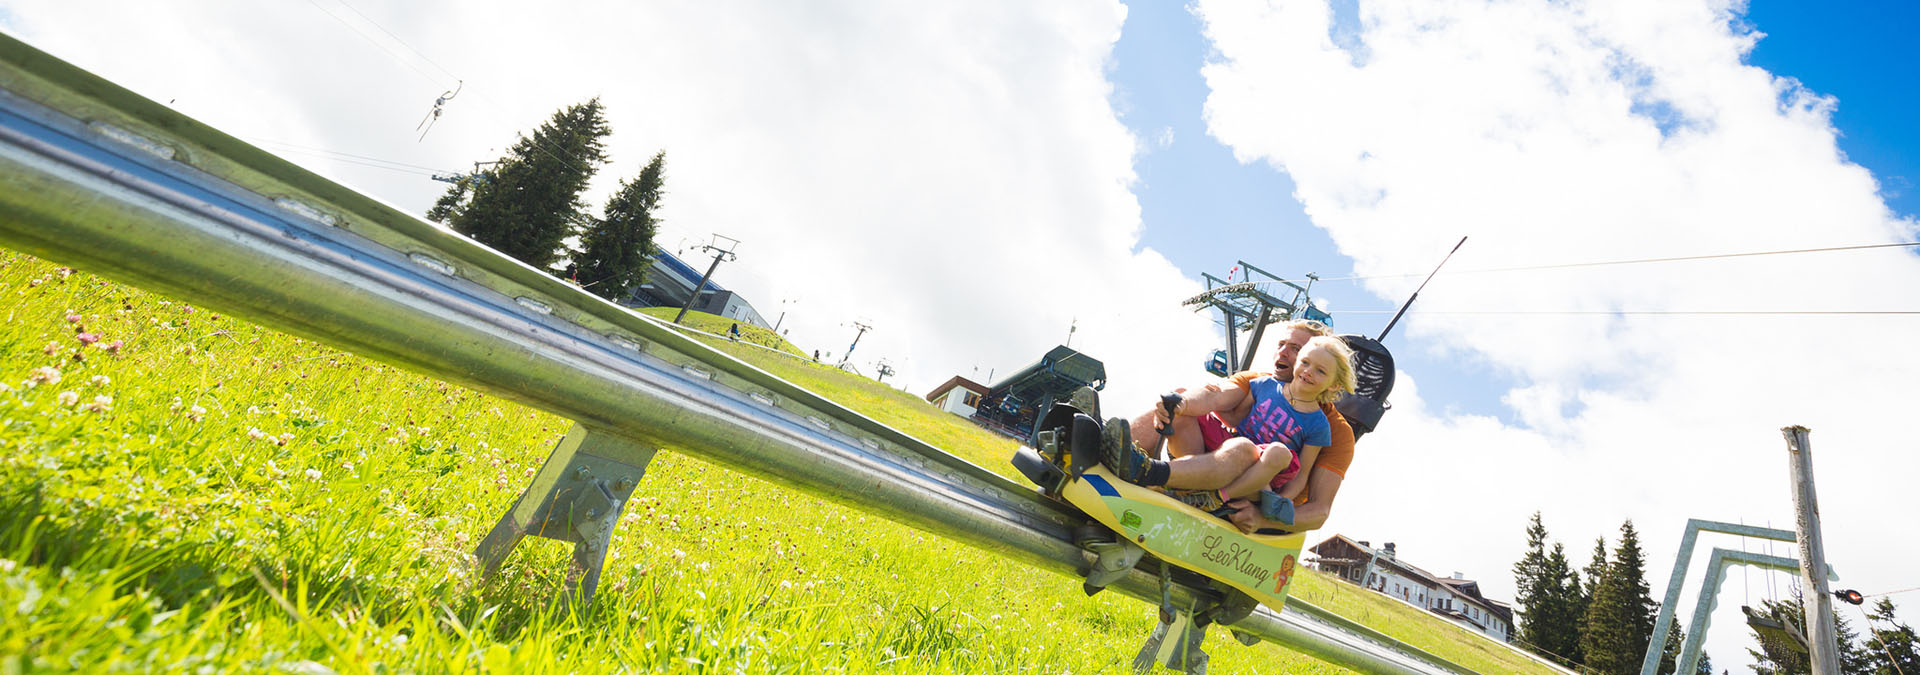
(957, 381)
(1466, 589)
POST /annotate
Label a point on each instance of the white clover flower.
(255, 433)
(43, 375)
(68, 398)
(99, 380)
(101, 403)
(253, 410)
(196, 412)
(313, 474)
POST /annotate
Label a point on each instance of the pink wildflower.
(87, 338)
(112, 347)
(73, 318)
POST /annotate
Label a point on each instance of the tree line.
(1600, 618)
(527, 205)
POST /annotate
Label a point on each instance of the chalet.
(1381, 570)
(958, 395)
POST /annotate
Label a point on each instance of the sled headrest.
(1373, 380)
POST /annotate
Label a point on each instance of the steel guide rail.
(98, 177)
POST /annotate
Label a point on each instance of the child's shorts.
(1214, 431)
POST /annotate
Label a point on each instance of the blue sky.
(1204, 210)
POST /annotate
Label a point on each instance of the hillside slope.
(181, 490)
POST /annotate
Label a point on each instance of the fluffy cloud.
(952, 175)
(1564, 132)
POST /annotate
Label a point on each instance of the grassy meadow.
(182, 491)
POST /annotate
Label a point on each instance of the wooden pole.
(1823, 643)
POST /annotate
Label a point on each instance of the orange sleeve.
(1336, 457)
(1244, 379)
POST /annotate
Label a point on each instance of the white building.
(959, 396)
(1381, 570)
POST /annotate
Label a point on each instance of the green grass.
(212, 496)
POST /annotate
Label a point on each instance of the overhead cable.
(1599, 312)
(1636, 261)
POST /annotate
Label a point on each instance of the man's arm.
(1217, 396)
(1309, 516)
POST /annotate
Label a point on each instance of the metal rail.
(98, 177)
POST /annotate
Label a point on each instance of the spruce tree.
(1620, 617)
(1548, 593)
(618, 248)
(1778, 659)
(1596, 566)
(529, 203)
(1528, 577)
(1670, 653)
(1891, 646)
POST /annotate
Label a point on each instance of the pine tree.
(1561, 630)
(1596, 566)
(1891, 646)
(528, 203)
(1670, 653)
(1528, 577)
(1620, 617)
(1778, 659)
(1548, 591)
(617, 250)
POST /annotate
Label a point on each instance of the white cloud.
(953, 174)
(1564, 132)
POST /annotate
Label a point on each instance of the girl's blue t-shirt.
(1273, 419)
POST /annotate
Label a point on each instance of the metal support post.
(1709, 598)
(1822, 640)
(577, 496)
(1651, 662)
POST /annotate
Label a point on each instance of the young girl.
(1286, 422)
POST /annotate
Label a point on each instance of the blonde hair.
(1343, 380)
(1309, 325)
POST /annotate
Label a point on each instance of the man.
(1203, 450)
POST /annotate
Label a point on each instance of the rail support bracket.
(577, 496)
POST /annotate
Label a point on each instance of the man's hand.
(1160, 418)
(1246, 516)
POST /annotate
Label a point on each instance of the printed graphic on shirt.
(1273, 420)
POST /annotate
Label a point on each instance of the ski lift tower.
(1249, 306)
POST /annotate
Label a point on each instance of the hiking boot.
(1086, 400)
(1119, 454)
(1205, 500)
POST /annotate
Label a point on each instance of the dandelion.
(313, 475)
(43, 375)
(87, 338)
(68, 398)
(196, 413)
(101, 403)
(99, 380)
